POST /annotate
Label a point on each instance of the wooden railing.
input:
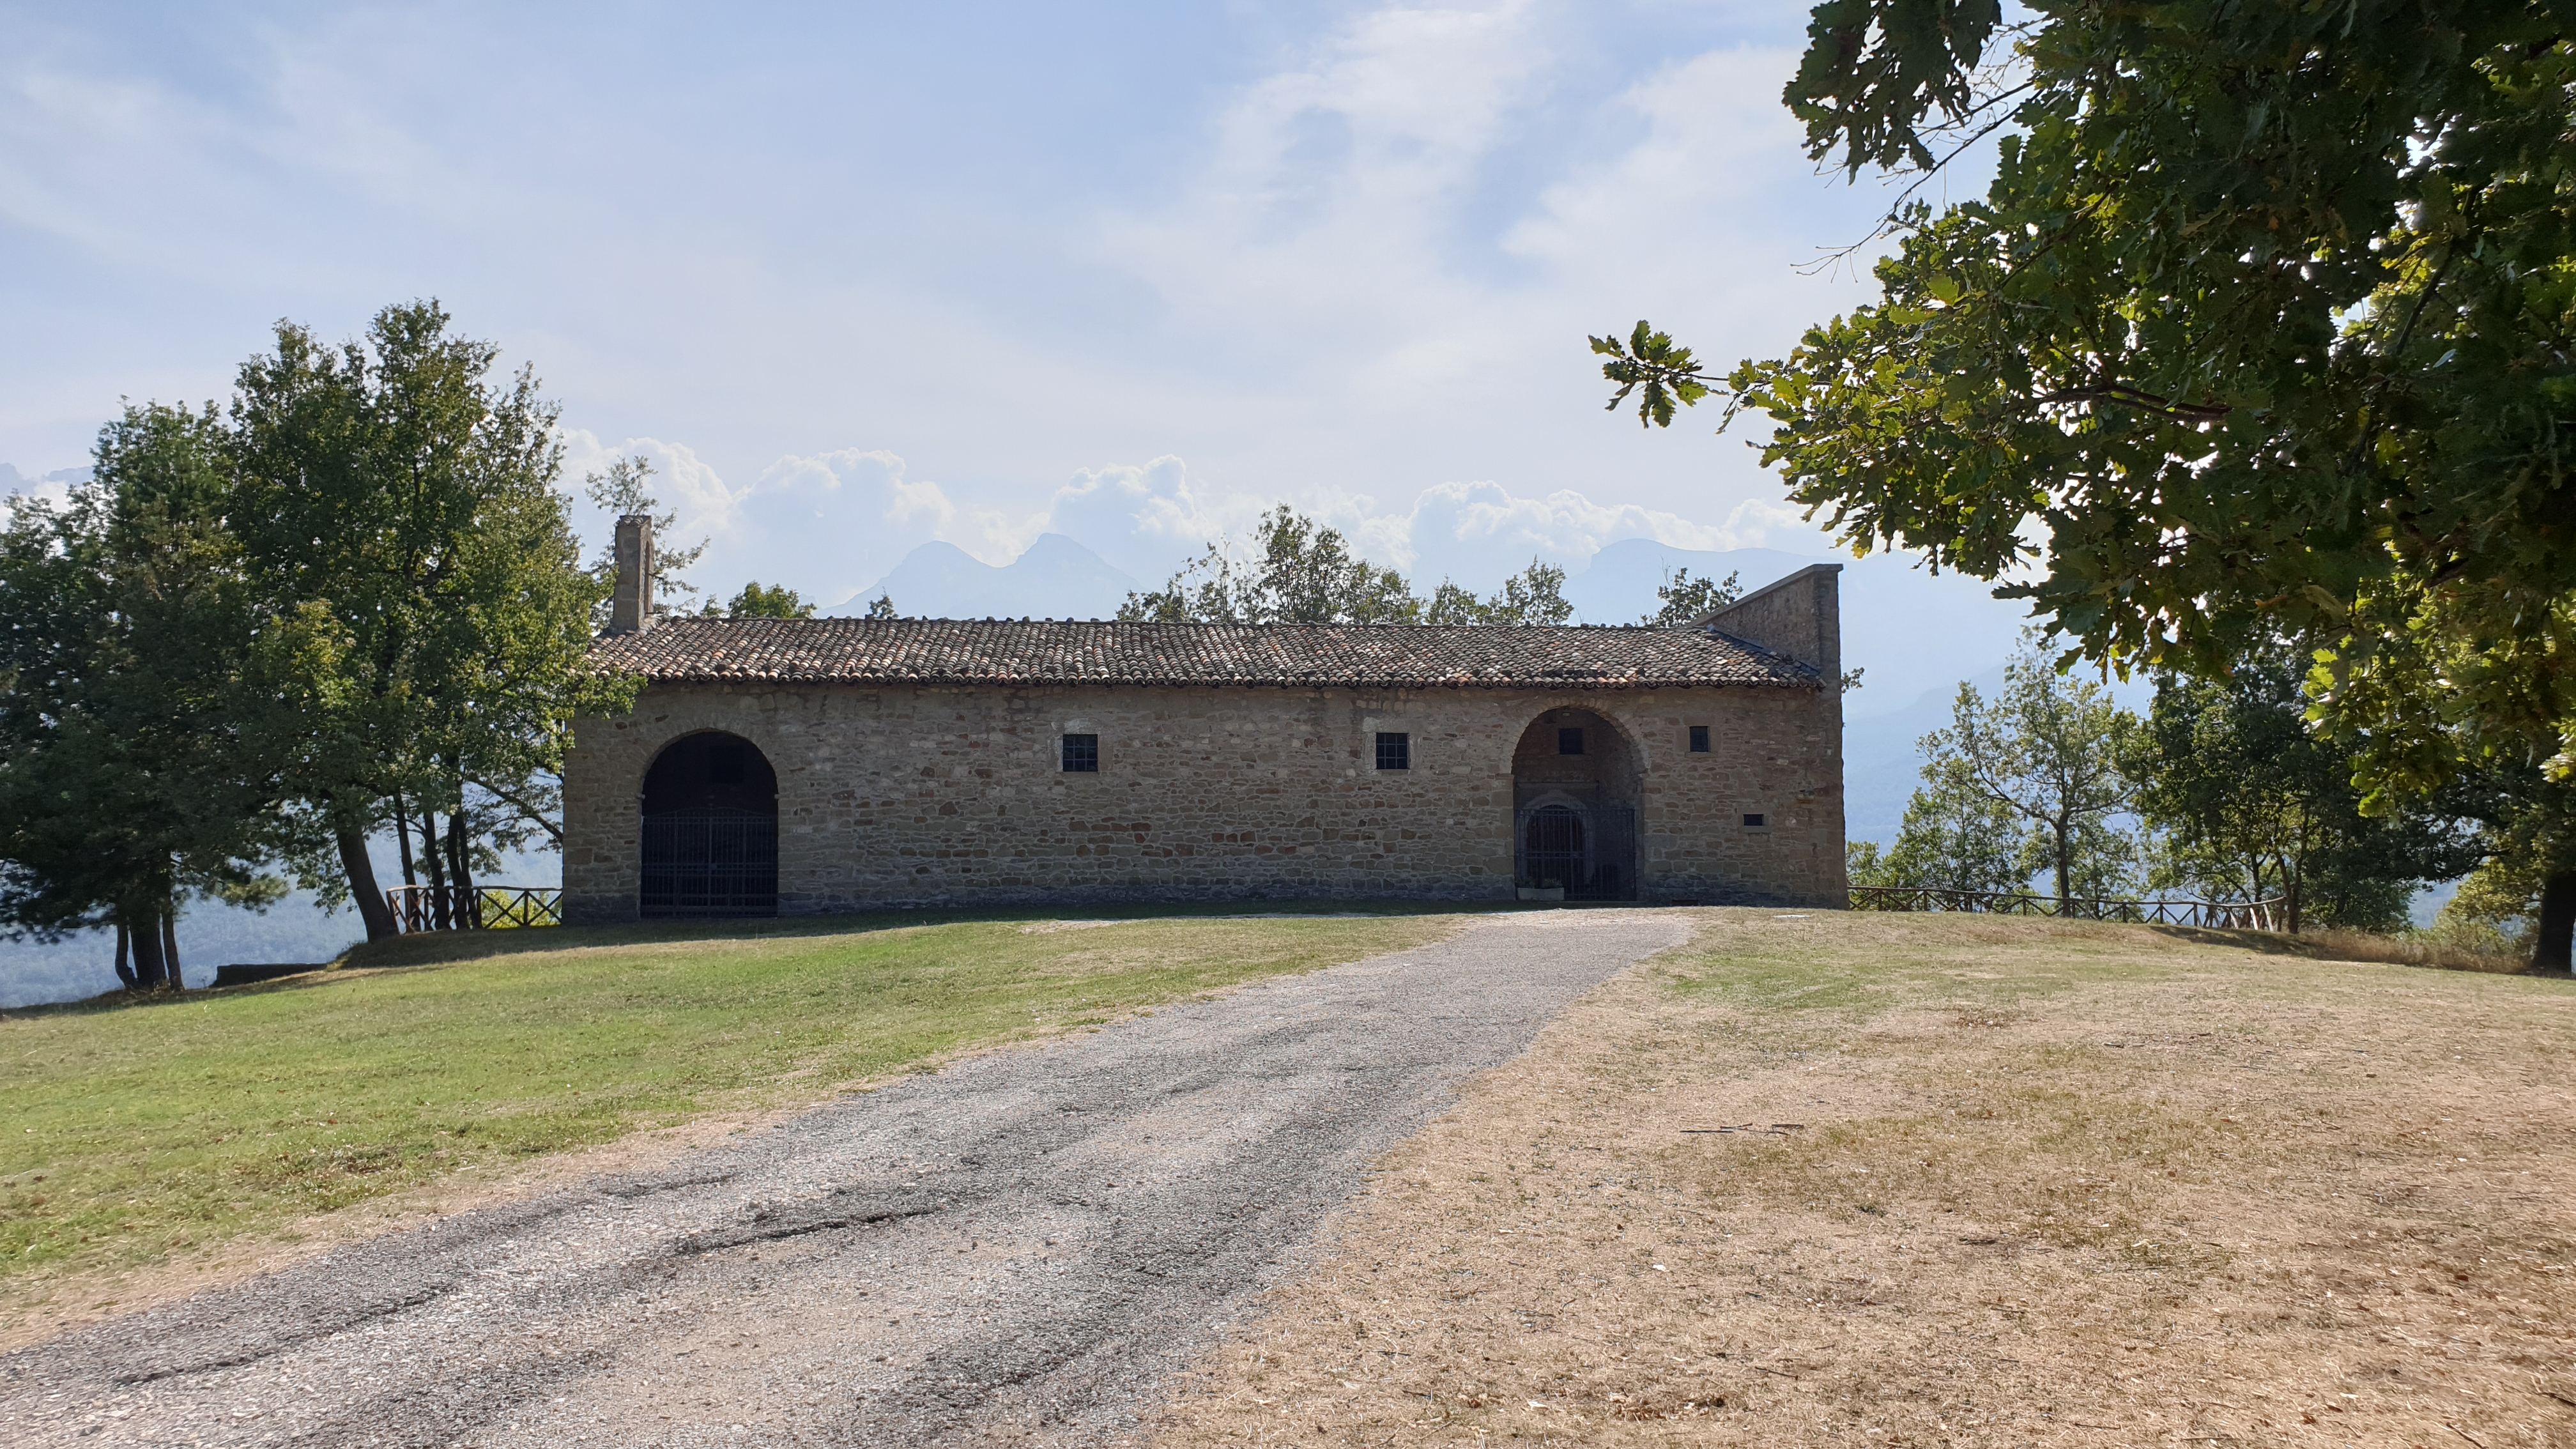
(2269, 915)
(477, 908)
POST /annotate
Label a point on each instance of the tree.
(2262, 323)
(1684, 601)
(1864, 864)
(625, 489)
(2494, 905)
(2045, 754)
(1535, 595)
(771, 601)
(2526, 822)
(2254, 803)
(2442, 703)
(138, 739)
(1302, 573)
(882, 607)
(396, 506)
(1956, 836)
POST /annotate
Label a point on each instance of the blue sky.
(861, 277)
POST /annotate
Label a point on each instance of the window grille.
(1590, 854)
(1753, 820)
(1699, 739)
(1569, 741)
(1082, 754)
(1394, 751)
(710, 863)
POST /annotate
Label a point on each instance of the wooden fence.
(2269, 915)
(478, 908)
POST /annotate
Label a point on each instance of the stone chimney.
(630, 609)
(1800, 616)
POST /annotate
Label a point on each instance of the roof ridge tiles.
(1042, 651)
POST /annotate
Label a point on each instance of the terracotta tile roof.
(1005, 651)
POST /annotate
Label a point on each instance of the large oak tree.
(397, 506)
(2266, 326)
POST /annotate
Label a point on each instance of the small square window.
(1082, 754)
(1569, 741)
(1699, 739)
(1394, 751)
(1753, 820)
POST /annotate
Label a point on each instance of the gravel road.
(1021, 1247)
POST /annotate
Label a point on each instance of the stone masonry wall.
(932, 795)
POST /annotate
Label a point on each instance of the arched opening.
(710, 830)
(1574, 808)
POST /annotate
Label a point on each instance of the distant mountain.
(1881, 768)
(1056, 579)
(1618, 585)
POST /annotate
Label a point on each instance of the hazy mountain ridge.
(1056, 578)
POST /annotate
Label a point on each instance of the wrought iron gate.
(1592, 852)
(710, 863)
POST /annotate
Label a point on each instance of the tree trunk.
(361, 871)
(124, 972)
(170, 946)
(437, 868)
(2065, 869)
(146, 937)
(2554, 942)
(469, 914)
(402, 837)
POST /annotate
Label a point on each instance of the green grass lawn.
(138, 1130)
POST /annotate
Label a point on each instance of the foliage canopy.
(2250, 802)
(352, 603)
(2265, 327)
(1304, 572)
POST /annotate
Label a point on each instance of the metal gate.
(1592, 853)
(710, 863)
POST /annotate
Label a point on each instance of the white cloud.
(824, 524)
(1467, 530)
(683, 483)
(832, 523)
(1144, 520)
(51, 487)
(1327, 201)
(1717, 146)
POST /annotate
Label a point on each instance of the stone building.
(792, 766)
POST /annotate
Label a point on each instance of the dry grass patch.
(1871, 1179)
(2497, 955)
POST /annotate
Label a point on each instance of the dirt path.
(1854, 1179)
(1022, 1246)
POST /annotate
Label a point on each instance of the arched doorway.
(710, 830)
(1574, 807)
